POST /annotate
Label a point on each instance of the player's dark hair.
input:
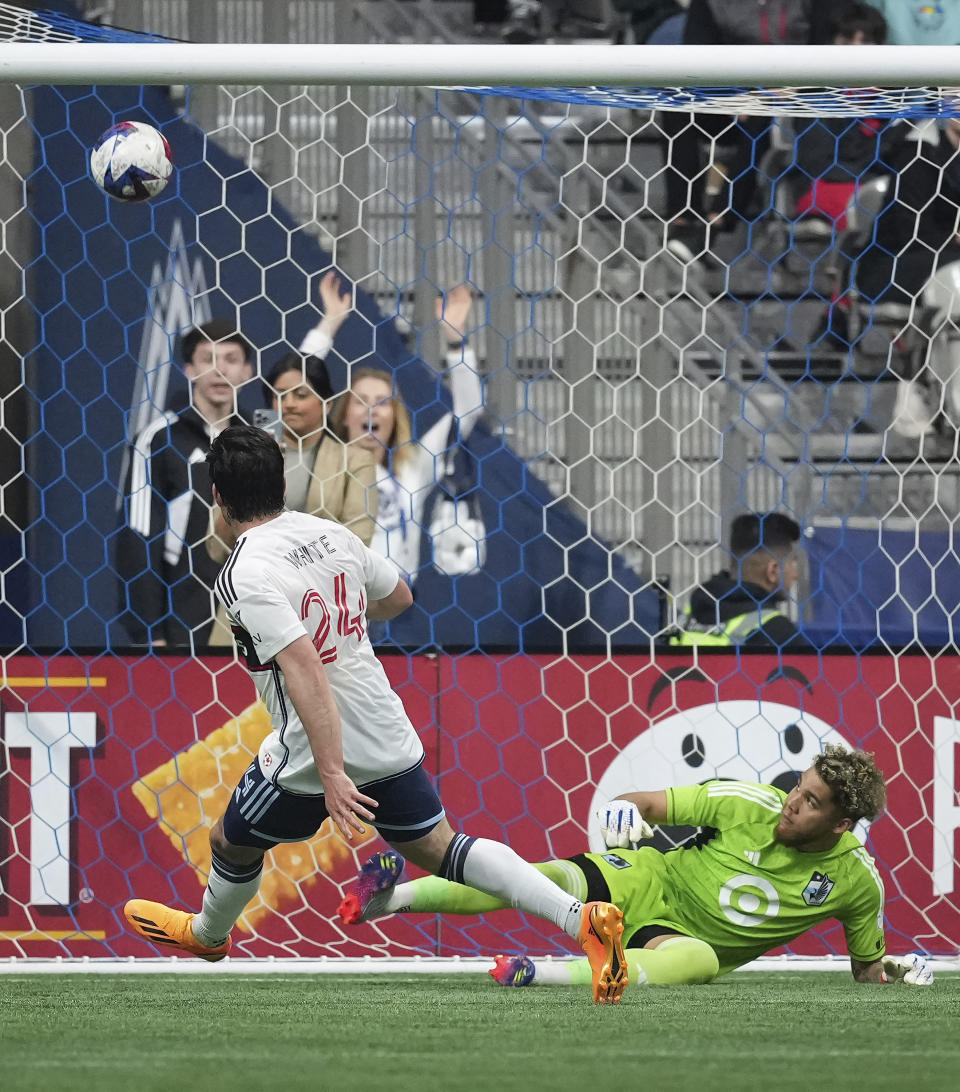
(216, 330)
(312, 368)
(246, 466)
(850, 17)
(774, 532)
(854, 780)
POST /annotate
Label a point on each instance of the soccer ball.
(131, 161)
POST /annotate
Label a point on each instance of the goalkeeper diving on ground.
(766, 867)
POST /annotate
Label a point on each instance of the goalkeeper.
(767, 867)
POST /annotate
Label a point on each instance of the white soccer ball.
(131, 161)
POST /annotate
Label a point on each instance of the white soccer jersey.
(299, 575)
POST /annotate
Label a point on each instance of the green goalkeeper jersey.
(745, 894)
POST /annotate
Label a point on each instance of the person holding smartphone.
(324, 476)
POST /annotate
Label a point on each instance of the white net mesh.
(785, 102)
(640, 389)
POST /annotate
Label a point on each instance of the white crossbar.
(440, 65)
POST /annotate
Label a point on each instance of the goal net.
(685, 307)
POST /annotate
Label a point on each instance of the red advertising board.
(117, 766)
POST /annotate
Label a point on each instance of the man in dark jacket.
(166, 574)
(744, 608)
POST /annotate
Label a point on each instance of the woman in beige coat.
(324, 476)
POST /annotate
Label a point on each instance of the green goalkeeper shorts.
(634, 879)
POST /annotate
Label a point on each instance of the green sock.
(678, 961)
(432, 895)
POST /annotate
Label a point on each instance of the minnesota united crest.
(817, 890)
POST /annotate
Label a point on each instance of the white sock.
(224, 901)
(397, 899)
(493, 867)
(552, 972)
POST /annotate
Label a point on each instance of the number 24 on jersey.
(325, 641)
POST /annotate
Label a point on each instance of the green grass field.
(774, 1032)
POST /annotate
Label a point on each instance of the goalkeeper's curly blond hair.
(854, 780)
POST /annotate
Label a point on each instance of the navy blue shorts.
(262, 814)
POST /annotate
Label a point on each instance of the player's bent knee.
(429, 851)
(238, 855)
(699, 961)
(673, 961)
(705, 967)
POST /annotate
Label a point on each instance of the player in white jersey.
(325, 575)
(298, 592)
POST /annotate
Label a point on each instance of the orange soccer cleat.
(601, 930)
(170, 929)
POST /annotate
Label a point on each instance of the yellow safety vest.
(734, 631)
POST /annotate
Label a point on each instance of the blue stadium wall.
(89, 288)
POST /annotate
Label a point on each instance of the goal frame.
(482, 66)
(479, 65)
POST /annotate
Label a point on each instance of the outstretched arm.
(651, 805)
(868, 972)
(337, 303)
(910, 970)
(310, 692)
(625, 822)
(453, 311)
(463, 376)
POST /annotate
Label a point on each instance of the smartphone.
(270, 421)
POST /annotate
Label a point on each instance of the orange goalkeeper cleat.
(601, 930)
(170, 929)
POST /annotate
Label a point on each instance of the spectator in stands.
(743, 140)
(166, 575)
(324, 477)
(654, 22)
(917, 229)
(536, 20)
(371, 417)
(915, 22)
(833, 154)
(744, 608)
(523, 24)
(912, 256)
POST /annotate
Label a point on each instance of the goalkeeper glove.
(911, 969)
(622, 826)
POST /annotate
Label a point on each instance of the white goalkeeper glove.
(622, 826)
(911, 969)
